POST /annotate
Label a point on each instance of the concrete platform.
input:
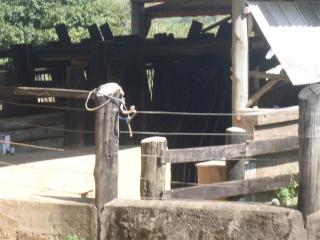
(64, 175)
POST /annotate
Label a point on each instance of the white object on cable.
(110, 88)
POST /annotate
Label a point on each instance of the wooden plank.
(231, 188)
(230, 152)
(263, 75)
(44, 92)
(202, 154)
(95, 33)
(106, 32)
(270, 146)
(63, 35)
(255, 97)
(14, 123)
(309, 153)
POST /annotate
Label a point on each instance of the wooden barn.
(246, 75)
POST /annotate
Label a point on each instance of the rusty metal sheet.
(293, 32)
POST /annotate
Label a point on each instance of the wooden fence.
(231, 153)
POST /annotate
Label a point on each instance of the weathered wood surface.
(235, 170)
(231, 188)
(202, 154)
(262, 147)
(43, 92)
(231, 152)
(8, 124)
(153, 172)
(309, 152)
(270, 76)
(107, 148)
(259, 94)
(240, 57)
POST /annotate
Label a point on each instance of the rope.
(211, 114)
(95, 108)
(34, 146)
(184, 133)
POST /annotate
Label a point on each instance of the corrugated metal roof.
(293, 32)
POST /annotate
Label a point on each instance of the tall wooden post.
(240, 57)
(235, 169)
(153, 172)
(107, 147)
(139, 23)
(309, 150)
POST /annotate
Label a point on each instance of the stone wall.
(41, 220)
(175, 220)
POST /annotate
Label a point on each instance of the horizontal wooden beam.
(231, 188)
(155, 12)
(167, 48)
(202, 154)
(270, 76)
(43, 92)
(230, 152)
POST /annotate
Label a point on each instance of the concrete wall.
(28, 219)
(161, 220)
(175, 220)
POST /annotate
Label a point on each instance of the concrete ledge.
(7, 228)
(125, 219)
(47, 220)
(313, 226)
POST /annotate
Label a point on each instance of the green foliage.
(72, 237)
(179, 26)
(33, 21)
(287, 194)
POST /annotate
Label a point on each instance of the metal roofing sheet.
(293, 32)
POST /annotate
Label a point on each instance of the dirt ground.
(64, 175)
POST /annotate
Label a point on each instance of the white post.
(240, 57)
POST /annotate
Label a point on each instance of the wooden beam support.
(263, 75)
(138, 19)
(309, 152)
(240, 57)
(231, 188)
(255, 97)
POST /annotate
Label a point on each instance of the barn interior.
(163, 73)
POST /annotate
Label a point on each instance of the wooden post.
(107, 147)
(153, 172)
(138, 19)
(240, 57)
(235, 169)
(309, 151)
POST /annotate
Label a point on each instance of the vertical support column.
(309, 151)
(153, 172)
(138, 19)
(240, 57)
(74, 120)
(107, 147)
(235, 169)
